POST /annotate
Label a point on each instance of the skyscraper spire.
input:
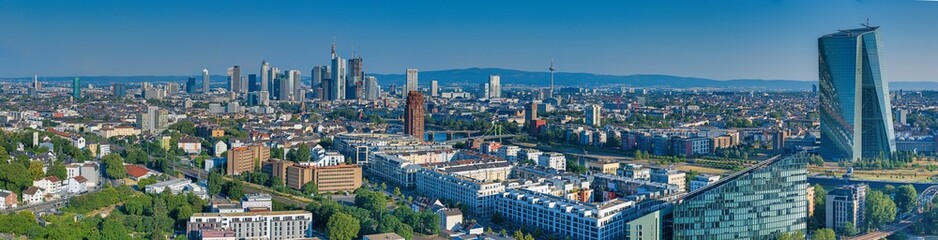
(551, 94)
(333, 47)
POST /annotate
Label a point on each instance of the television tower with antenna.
(551, 94)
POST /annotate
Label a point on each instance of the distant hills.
(474, 76)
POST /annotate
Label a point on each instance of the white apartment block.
(478, 196)
(553, 160)
(563, 217)
(254, 225)
(703, 180)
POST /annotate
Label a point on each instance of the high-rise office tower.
(36, 84)
(253, 84)
(234, 80)
(120, 90)
(434, 88)
(154, 120)
(76, 88)
(337, 85)
(356, 75)
(495, 86)
(530, 112)
(856, 119)
(190, 86)
(318, 74)
(593, 117)
(288, 85)
(484, 90)
(411, 80)
(265, 76)
(371, 88)
(205, 81)
(414, 115)
(756, 203)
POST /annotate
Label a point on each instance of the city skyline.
(496, 36)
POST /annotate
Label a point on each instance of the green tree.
(342, 226)
(234, 189)
(113, 229)
(575, 168)
(906, 198)
(824, 234)
(58, 170)
(820, 199)
(142, 184)
(518, 235)
(849, 229)
(138, 205)
(114, 166)
(35, 170)
(215, 183)
(371, 201)
(879, 209)
(300, 154)
(310, 188)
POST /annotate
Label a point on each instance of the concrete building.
(845, 204)
(495, 86)
(563, 217)
(702, 180)
(411, 81)
(669, 176)
(254, 225)
(553, 160)
(593, 116)
(478, 196)
(330, 179)
(414, 115)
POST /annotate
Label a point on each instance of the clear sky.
(710, 39)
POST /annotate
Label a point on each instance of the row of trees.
(371, 215)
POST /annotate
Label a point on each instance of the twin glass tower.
(856, 119)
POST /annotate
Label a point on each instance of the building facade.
(760, 202)
(855, 112)
(414, 115)
(254, 225)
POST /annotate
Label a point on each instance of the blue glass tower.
(76, 89)
(854, 96)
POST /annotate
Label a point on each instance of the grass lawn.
(909, 174)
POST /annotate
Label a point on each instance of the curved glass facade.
(854, 96)
(757, 203)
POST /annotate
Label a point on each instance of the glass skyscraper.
(854, 96)
(760, 202)
(76, 89)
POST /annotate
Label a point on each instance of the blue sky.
(711, 39)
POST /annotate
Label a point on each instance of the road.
(888, 230)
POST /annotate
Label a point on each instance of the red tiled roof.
(80, 179)
(52, 179)
(136, 171)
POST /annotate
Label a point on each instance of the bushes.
(103, 198)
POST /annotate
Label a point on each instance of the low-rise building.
(702, 180)
(33, 195)
(635, 171)
(328, 179)
(553, 160)
(257, 201)
(190, 145)
(669, 176)
(174, 185)
(254, 225)
(563, 217)
(478, 196)
(8, 199)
